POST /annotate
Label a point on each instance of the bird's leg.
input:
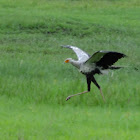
(102, 94)
(75, 95)
(88, 84)
(95, 82)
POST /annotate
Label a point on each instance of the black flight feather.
(109, 59)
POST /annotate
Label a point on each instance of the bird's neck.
(75, 63)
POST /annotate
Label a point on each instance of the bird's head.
(68, 60)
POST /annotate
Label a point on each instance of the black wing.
(109, 59)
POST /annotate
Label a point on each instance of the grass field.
(34, 81)
(30, 121)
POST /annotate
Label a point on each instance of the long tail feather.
(118, 67)
(115, 67)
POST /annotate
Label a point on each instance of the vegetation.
(34, 81)
(32, 122)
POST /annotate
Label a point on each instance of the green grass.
(32, 122)
(34, 81)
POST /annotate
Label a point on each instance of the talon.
(68, 98)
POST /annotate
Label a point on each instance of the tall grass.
(34, 81)
(33, 122)
(31, 61)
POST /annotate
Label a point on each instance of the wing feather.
(105, 58)
(81, 55)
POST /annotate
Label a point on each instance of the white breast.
(86, 68)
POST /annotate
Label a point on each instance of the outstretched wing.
(81, 55)
(105, 58)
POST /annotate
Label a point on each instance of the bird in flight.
(98, 63)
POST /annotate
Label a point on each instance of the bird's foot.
(68, 98)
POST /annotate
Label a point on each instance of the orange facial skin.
(66, 61)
